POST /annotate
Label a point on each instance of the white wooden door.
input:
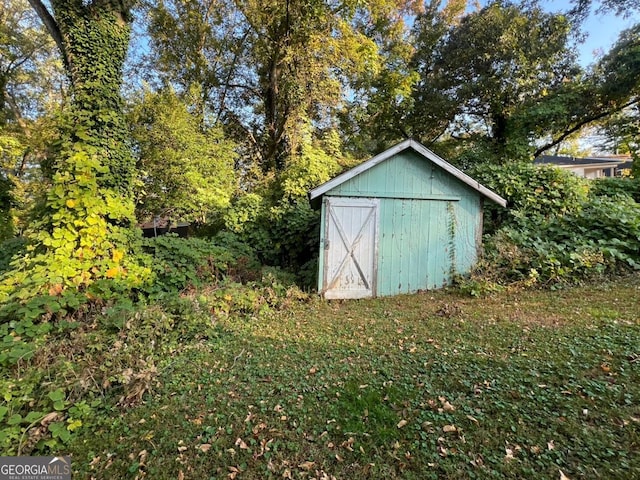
(350, 247)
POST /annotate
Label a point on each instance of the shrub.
(180, 263)
(613, 187)
(284, 235)
(602, 237)
(530, 191)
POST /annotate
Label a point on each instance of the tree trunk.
(95, 40)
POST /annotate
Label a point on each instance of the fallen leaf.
(48, 418)
(182, 449)
(258, 428)
(402, 423)
(446, 406)
(449, 428)
(509, 454)
(205, 447)
(551, 445)
(233, 472)
(348, 444)
(306, 465)
(240, 443)
(563, 476)
(180, 475)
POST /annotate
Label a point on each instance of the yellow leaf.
(74, 424)
(117, 255)
(112, 272)
(71, 203)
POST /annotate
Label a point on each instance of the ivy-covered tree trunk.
(84, 244)
(94, 40)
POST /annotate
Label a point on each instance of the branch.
(52, 28)
(17, 114)
(581, 124)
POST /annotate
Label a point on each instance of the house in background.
(162, 225)
(588, 167)
(403, 221)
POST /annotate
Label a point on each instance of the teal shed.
(403, 221)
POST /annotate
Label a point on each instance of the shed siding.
(323, 228)
(413, 246)
(406, 175)
(418, 203)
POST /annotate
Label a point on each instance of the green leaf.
(57, 395)
(14, 419)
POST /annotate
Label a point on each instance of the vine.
(451, 231)
(85, 245)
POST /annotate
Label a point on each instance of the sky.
(602, 30)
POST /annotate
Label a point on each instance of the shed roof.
(316, 193)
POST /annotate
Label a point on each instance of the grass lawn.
(519, 385)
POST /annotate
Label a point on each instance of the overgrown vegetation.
(235, 112)
(558, 229)
(58, 370)
(531, 191)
